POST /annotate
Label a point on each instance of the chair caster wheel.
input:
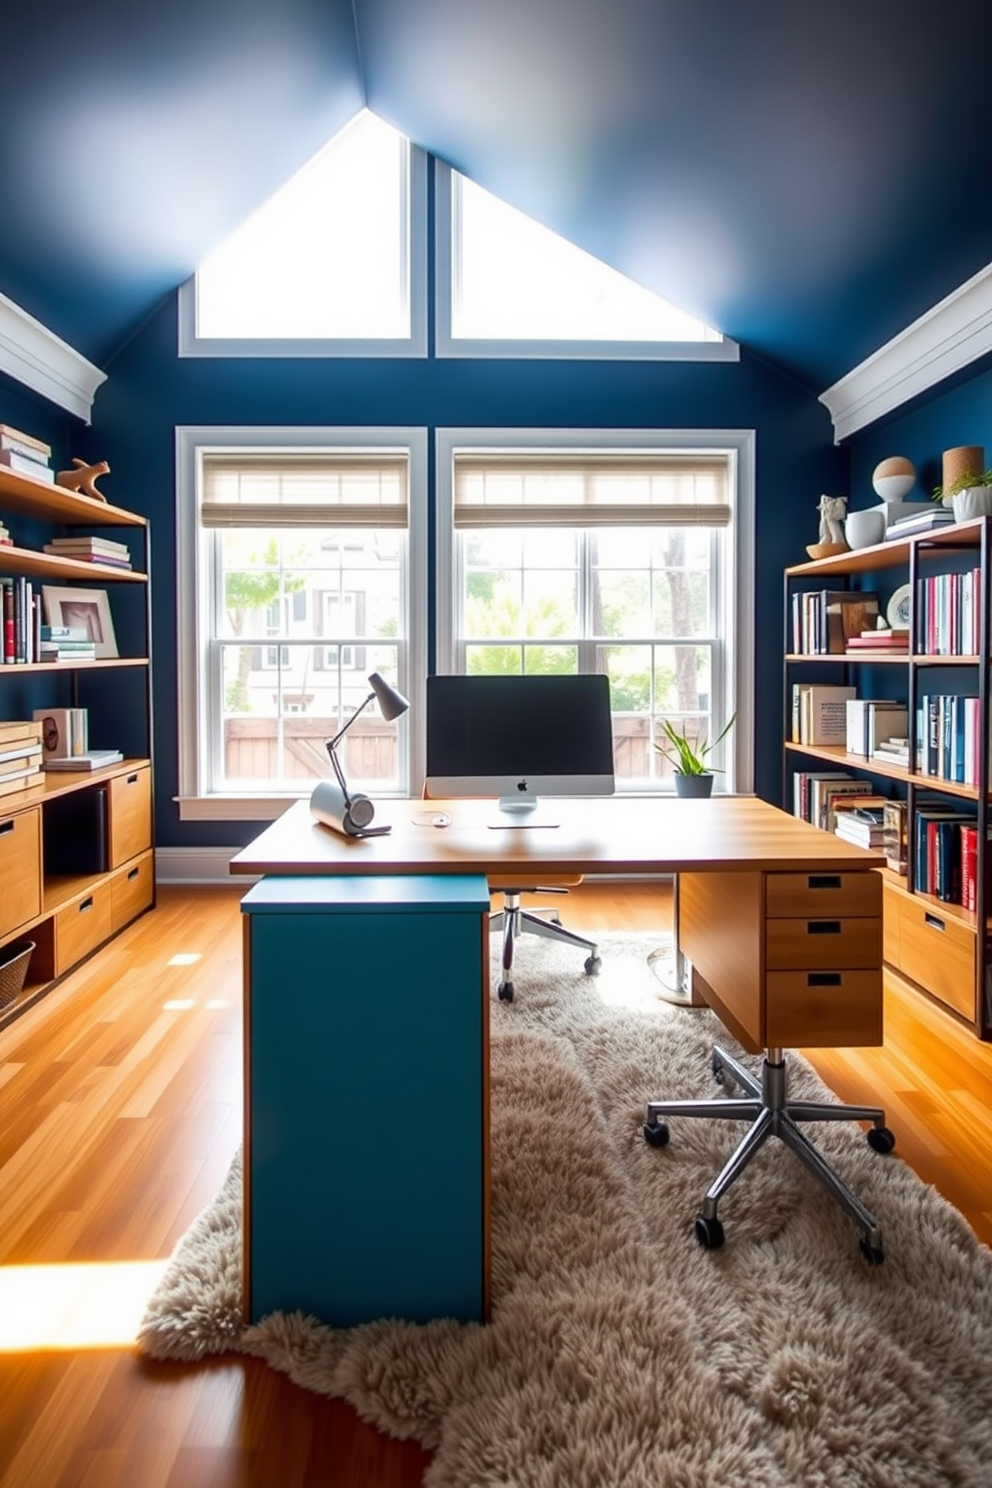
(880, 1139)
(872, 1254)
(505, 991)
(656, 1134)
(593, 963)
(709, 1233)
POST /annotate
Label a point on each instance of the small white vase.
(864, 528)
(974, 501)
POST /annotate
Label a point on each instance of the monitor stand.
(522, 810)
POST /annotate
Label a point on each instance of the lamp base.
(332, 808)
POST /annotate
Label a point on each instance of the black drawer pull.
(85, 904)
(823, 927)
(823, 881)
(934, 921)
(133, 875)
(7, 826)
(132, 780)
(823, 979)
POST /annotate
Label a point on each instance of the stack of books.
(91, 550)
(879, 643)
(894, 751)
(65, 643)
(863, 824)
(20, 756)
(25, 454)
(93, 759)
(926, 520)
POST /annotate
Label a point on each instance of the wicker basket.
(14, 970)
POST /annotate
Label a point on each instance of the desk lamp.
(331, 802)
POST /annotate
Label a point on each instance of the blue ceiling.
(808, 178)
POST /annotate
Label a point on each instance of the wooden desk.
(780, 922)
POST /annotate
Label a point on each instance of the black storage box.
(74, 833)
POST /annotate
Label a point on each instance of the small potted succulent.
(687, 754)
(970, 495)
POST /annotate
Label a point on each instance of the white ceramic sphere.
(894, 478)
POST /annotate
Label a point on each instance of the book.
(109, 560)
(894, 843)
(11, 438)
(20, 763)
(63, 633)
(26, 466)
(832, 796)
(868, 719)
(822, 717)
(15, 730)
(88, 544)
(22, 782)
(878, 638)
(93, 759)
(65, 731)
(924, 521)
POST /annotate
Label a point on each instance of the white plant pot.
(864, 528)
(975, 501)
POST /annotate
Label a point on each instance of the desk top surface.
(611, 834)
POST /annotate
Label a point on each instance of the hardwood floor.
(121, 1102)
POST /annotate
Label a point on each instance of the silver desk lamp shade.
(331, 802)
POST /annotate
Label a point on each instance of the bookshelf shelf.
(77, 861)
(931, 938)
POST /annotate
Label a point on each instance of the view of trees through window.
(635, 603)
(306, 615)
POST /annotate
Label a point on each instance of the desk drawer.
(938, 953)
(823, 1009)
(823, 943)
(82, 927)
(818, 895)
(20, 868)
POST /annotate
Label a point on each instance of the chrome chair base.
(772, 1114)
(515, 921)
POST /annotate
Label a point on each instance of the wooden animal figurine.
(833, 510)
(83, 478)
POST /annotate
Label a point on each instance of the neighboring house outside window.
(302, 570)
(624, 552)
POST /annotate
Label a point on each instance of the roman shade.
(312, 488)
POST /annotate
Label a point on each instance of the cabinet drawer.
(131, 890)
(809, 895)
(939, 954)
(130, 815)
(823, 1009)
(824, 942)
(20, 868)
(81, 927)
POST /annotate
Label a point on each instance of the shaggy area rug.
(619, 1352)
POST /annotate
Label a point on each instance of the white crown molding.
(953, 334)
(35, 356)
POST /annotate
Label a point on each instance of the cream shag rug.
(619, 1352)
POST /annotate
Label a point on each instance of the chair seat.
(541, 881)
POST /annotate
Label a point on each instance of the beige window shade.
(609, 490)
(282, 489)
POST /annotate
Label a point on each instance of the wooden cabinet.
(69, 909)
(929, 935)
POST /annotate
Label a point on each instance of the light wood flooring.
(120, 1109)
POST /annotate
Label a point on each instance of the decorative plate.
(897, 609)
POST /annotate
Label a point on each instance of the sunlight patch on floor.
(91, 1305)
(185, 958)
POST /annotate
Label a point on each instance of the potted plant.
(970, 495)
(693, 776)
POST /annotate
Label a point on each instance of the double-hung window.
(302, 571)
(624, 552)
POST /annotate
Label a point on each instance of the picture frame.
(87, 608)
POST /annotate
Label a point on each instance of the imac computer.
(520, 739)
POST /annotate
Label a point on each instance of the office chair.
(514, 921)
(771, 1112)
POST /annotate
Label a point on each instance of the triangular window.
(515, 288)
(334, 260)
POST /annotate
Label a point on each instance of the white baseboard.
(197, 865)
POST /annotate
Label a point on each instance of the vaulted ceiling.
(808, 178)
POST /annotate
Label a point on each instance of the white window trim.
(447, 345)
(741, 442)
(415, 345)
(195, 804)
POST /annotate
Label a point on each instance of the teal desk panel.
(367, 1097)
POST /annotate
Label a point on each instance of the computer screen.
(519, 738)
